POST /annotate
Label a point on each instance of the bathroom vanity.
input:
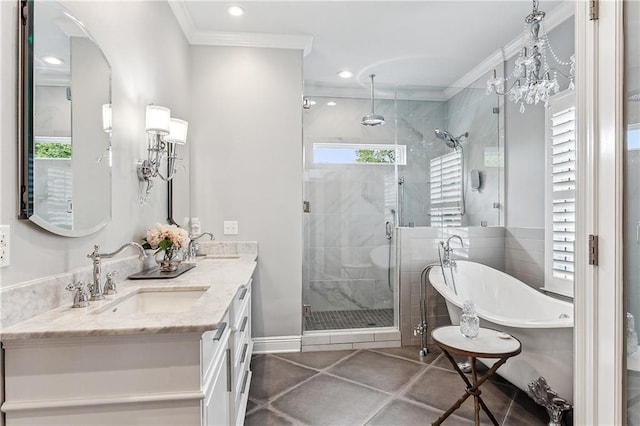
(162, 352)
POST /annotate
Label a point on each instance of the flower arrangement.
(167, 238)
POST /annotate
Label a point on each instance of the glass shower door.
(632, 207)
(349, 221)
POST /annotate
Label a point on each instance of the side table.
(488, 344)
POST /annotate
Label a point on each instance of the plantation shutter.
(446, 190)
(560, 206)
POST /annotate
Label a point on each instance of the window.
(446, 190)
(352, 153)
(52, 147)
(560, 206)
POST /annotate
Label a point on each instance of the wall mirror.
(64, 108)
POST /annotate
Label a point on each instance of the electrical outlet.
(230, 227)
(4, 246)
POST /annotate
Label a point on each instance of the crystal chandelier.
(533, 79)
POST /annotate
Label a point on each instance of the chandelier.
(533, 79)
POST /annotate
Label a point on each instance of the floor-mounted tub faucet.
(96, 256)
(447, 261)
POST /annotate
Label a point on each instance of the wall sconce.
(163, 134)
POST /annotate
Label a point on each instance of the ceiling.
(415, 43)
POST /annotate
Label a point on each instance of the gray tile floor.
(373, 387)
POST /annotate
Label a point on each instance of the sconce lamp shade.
(178, 131)
(106, 118)
(157, 120)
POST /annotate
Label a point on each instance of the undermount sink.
(151, 301)
(222, 256)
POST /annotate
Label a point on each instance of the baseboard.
(276, 344)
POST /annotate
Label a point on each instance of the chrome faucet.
(96, 256)
(447, 261)
(192, 250)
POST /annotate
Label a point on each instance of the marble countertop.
(222, 275)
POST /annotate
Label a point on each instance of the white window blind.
(560, 207)
(446, 190)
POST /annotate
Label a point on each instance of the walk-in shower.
(378, 181)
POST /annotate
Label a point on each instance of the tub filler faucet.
(447, 261)
(96, 257)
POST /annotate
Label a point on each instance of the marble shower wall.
(419, 248)
(416, 123)
(472, 111)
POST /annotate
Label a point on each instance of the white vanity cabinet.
(146, 377)
(241, 348)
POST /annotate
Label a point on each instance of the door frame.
(599, 303)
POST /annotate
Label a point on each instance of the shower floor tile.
(372, 387)
(338, 320)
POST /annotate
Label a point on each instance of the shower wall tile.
(315, 339)
(337, 295)
(386, 336)
(377, 345)
(383, 296)
(524, 255)
(351, 337)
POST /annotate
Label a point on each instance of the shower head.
(451, 141)
(372, 119)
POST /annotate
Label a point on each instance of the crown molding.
(557, 16)
(302, 42)
(390, 93)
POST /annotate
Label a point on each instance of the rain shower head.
(372, 119)
(451, 141)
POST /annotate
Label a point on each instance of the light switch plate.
(4, 246)
(230, 227)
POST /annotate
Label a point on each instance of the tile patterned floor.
(344, 320)
(373, 387)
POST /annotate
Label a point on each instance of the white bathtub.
(507, 304)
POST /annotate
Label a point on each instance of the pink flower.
(168, 235)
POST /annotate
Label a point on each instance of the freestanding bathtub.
(543, 324)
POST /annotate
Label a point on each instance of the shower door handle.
(306, 206)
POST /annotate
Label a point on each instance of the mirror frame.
(26, 139)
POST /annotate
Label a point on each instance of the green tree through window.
(383, 156)
(53, 150)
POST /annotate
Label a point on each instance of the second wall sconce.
(163, 134)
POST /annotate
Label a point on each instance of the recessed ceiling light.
(345, 74)
(331, 103)
(235, 11)
(52, 60)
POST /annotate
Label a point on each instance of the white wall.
(524, 152)
(246, 165)
(150, 63)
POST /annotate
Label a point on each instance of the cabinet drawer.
(242, 396)
(213, 343)
(239, 301)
